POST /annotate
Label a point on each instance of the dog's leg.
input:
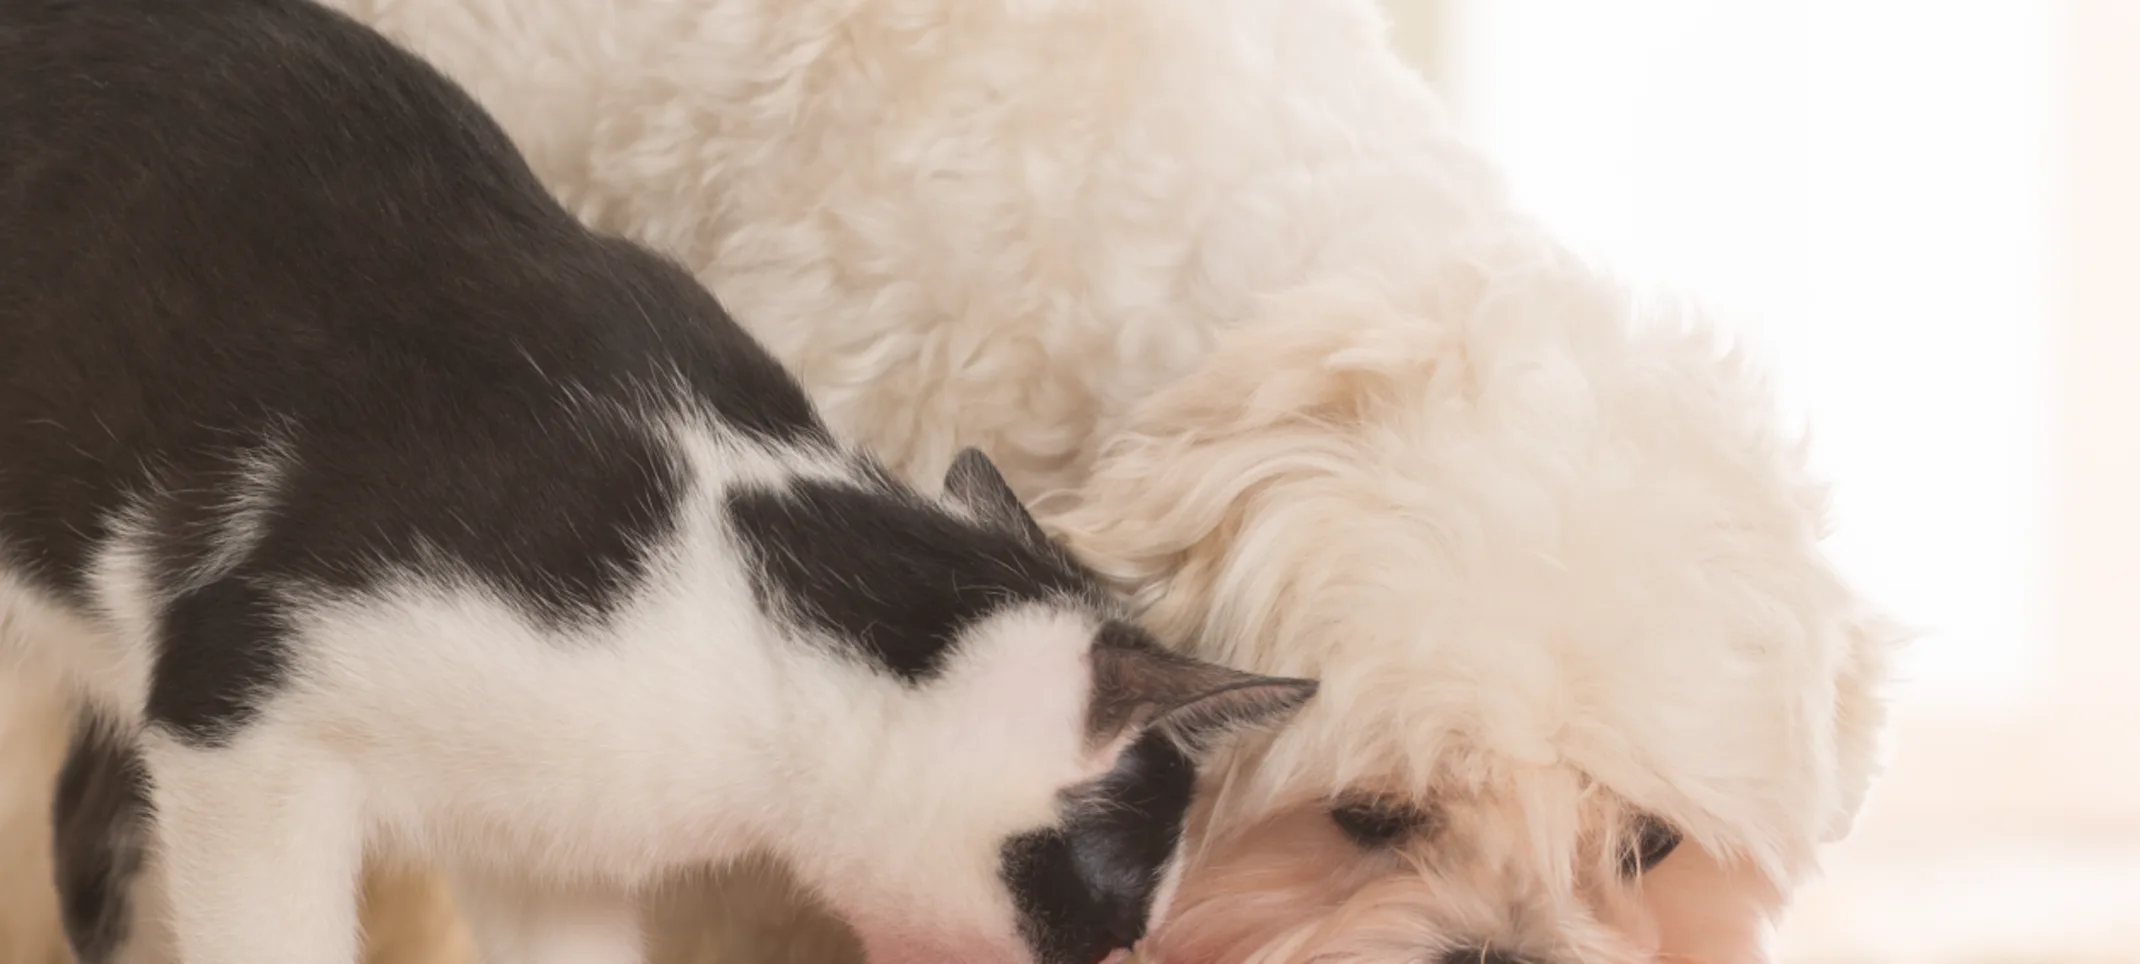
(260, 851)
(526, 924)
(100, 823)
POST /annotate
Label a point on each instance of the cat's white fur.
(432, 719)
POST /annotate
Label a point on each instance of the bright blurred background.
(1928, 215)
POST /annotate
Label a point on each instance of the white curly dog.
(1218, 284)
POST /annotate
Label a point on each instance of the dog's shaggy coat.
(1218, 278)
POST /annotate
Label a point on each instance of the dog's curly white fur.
(1219, 278)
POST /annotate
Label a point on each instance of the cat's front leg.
(111, 901)
(260, 847)
(524, 923)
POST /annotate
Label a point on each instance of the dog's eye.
(1653, 842)
(1376, 823)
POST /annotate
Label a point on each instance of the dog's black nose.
(1480, 955)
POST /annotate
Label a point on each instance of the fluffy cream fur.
(1218, 279)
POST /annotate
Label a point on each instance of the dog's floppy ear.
(1138, 686)
(975, 485)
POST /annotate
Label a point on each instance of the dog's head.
(1590, 690)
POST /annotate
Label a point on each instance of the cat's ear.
(1136, 687)
(974, 484)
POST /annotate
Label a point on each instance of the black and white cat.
(377, 507)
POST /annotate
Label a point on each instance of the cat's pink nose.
(1117, 957)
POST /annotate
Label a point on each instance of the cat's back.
(229, 181)
(254, 193)
(249, 243)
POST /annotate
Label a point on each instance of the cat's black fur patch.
(885, 573)
(217, 647)
(100, 813)
(244, 230)
(1086, 888)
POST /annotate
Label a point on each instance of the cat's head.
(1026, 797)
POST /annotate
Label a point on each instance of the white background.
(1926, 214)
